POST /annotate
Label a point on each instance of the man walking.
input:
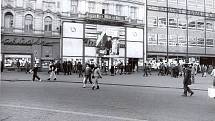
(213, 74)
(35, 70)
(96, 75)
(187, 81)
(87, 75)
(52, 74)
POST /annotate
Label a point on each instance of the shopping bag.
(211, 92)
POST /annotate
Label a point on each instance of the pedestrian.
(2, 66)
(18, 65)
(213, 74)
(80, 69)
(187, 81)
(145, 69)
(65, 67)
(52, 74)
(35, 70)
(27, 67)
(57, 67)
(204, 69)
(87, 75)
(69, 68)
(193, 70)
(112, 70)
(96, 76)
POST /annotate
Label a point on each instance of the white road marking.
(71, 112)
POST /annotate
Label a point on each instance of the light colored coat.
(213, 73)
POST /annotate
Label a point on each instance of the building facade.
(180, 30)
(30, 31)
(103, 31)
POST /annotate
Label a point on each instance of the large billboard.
(134, 43)
(72, 30)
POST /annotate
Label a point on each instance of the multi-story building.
(72, 30)
(30, 31)
(105, 31)
(180, 30)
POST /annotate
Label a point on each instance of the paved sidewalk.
(135, 79)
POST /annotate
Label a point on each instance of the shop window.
(201, 42)
(162, 22)
(28, 23)
(210, 43)
(48, 24)
(152, 39)
(8, 20)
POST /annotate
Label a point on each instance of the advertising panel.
(135, 34)
(72, 47)
(72, 30)
(134, 49)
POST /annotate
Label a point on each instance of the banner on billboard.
(72, 30)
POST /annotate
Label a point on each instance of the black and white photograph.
(107, 60)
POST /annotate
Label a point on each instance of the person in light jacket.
(213, 74)
(96, 76)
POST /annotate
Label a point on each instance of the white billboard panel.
(134, 34)
(72, 47)
(90, 51)
(72, 30)
(134, 49)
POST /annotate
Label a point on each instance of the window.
(162, 39)
(91, 7)
(210, 43)
(172, 40)
(172, 22)
(192, 41)
(162, 22)
(74, 6)
(118, 10)
(192, 24)
(58, 4)
(182, 23)
(8, 20)
(48, 23)
(200, 24)
(152, 21)
(133, 12)
(201, 42)
(28, 23)
(106, 8)
(209, 25)
(182, 41)
(152, 39)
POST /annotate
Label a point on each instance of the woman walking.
(96, 76)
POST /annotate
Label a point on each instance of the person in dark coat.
(80, 69)
(69, 68)
(65, 67)
(2, 66)
(35, 70)
(187, 81)
(112, 70)
(58, 67)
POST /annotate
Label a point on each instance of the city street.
(120, 98)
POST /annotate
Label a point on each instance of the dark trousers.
(86, 78)
(80, 74)
(35, 76)
(145, 73)
(187, 89)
